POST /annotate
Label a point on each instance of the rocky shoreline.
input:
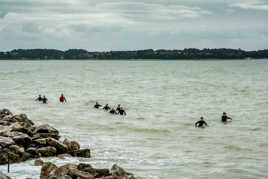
(21, 140)
(82, 171)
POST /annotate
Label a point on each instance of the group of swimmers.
(44, 99)
(41, 99)
(202, 123)
(119, 110)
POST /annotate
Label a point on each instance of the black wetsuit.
(39, 98)
(200, 123)
(118, 109)
(97, 106)
(122, 112)
(113, 111)
(224, 118)
(44, 100)
(106, 108)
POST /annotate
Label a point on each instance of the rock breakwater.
(21, 140)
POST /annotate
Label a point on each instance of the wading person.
(44, 99)
(97, 105)
(224, 117)
(113, 111)
(118, 107)
(62, 98)
(39, 98)
(201, 123)
(106, 107)
(122, 111)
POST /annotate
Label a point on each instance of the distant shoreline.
(137, 55)
(133, 60)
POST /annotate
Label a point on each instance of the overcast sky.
(131, 25)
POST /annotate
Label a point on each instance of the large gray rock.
(32, 151)
(48, 170)
(71, 145)
(21, 127)
(43, 142)
(40, 142)
(45, 131)
(13, 158)
(75, 173)
(47, 151)
(119, 173)
(6, 141)
(22, 118)
(22, 140)
(16, 149)
(87, 168)
(4, 112)
(4, 130)
(61, 148)
(85, 153)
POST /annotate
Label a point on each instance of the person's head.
(201, 118)
(121, 108)
(61, 94)
(97, 102)
(106, 104)
(39, 95)
(112, 109)
(118, 105)
(224, 114)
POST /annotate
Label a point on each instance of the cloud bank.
(131, 25)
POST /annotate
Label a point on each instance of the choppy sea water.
(163, 100)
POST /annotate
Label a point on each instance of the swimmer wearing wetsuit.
(39, 98)
(118, 108)
(44, 99)
(201, 123)
(106, 107)
(122, 111)
(97, 105)
(113, 111)
(224, 117)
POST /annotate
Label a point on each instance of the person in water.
(62, 98)
(122, 111)
(224, 117)
(118, 107)
(97, 105)
(44, 99)
(106, 107)
(39, 98)
(113, 111)
(201, 123)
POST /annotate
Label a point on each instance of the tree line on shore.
(190, 53)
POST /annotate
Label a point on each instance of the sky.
(104, 25)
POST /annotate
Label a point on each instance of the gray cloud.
(251, 5)
(128, 24)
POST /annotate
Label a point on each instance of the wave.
(256, 129)
(18, 72)
(146, 130)
(232, 147)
